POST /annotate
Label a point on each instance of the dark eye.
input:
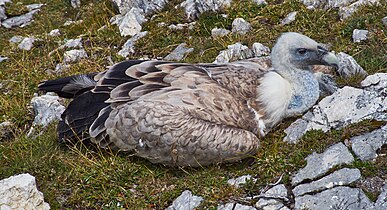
(301, 51)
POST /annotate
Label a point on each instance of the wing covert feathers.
(170, 113)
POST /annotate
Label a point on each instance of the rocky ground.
(332, 157)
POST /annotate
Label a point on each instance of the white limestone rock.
(260, 2)
(359, 35)
(289, 18)
(260, 50)
(273, 198)
(319, 164)
(331, 4)
(131, 23)
(270, 204)
(3, 58)
(235, 206)
(75, 3)
(2, 2)
(72, 43)
(346, 106)
(47, 109)
(60, 67)
(219, 32)
(19, 21)
(340, 177)
(240, 26)
(381, 202)
(71, 22)
(335, 198)
(54, 32)
(194, 8)
(73, 56)
(16, 39)
(313, 4)
(384, 21)
(234, 52)
(31, 7)
(366, 145)
(147, 7)
(128, 47)
(348, 66)
(186, 201)
(3, 16)
(237, 182)
(27, 43)
(20, 192)
(181, 26)
(179, 52)
(347, 11)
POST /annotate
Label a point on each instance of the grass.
(80, 177)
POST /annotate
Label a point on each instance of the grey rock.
(72, 43)
(27, 43)
(16, 39)
(73, 56)
(375, 82)
(219, 32)
(327, 83)
(2, 2)
(75, 3)
(260, 2)
(194, 8)
(270, 204)
(278, 192)
(348, 66)
(178, 53)
(31, 7)
(319, 164)
(260, 50)
(186, 201)
(131, 23)
(128, 47)
(336, 198)
(295, 131)
(384, 21)
(234, 52)
(313, 4)
(366, 145)
(147, 7)
(181, 26)
(47, 109)
(19, 21)
(346, 106)
(343, 176)
(3, 16)
(359, 35)
(235, 206)
(20, 192)
(338, 3)
(71, 22)
(289, 18)
(3, 58)
(60, 67)
(240, 26)
(55, 32)
(347, 11)
(5, 130)
(237, 182)
(381, 202)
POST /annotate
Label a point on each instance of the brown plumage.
(183, 114)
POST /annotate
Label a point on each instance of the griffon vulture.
(191, 114)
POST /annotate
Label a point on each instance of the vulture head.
(298, 52)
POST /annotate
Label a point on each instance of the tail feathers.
(69, 87)
(80, 114)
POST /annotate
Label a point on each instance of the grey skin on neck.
(305, 87)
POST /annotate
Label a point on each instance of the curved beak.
(327, 58)
(330, 59)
